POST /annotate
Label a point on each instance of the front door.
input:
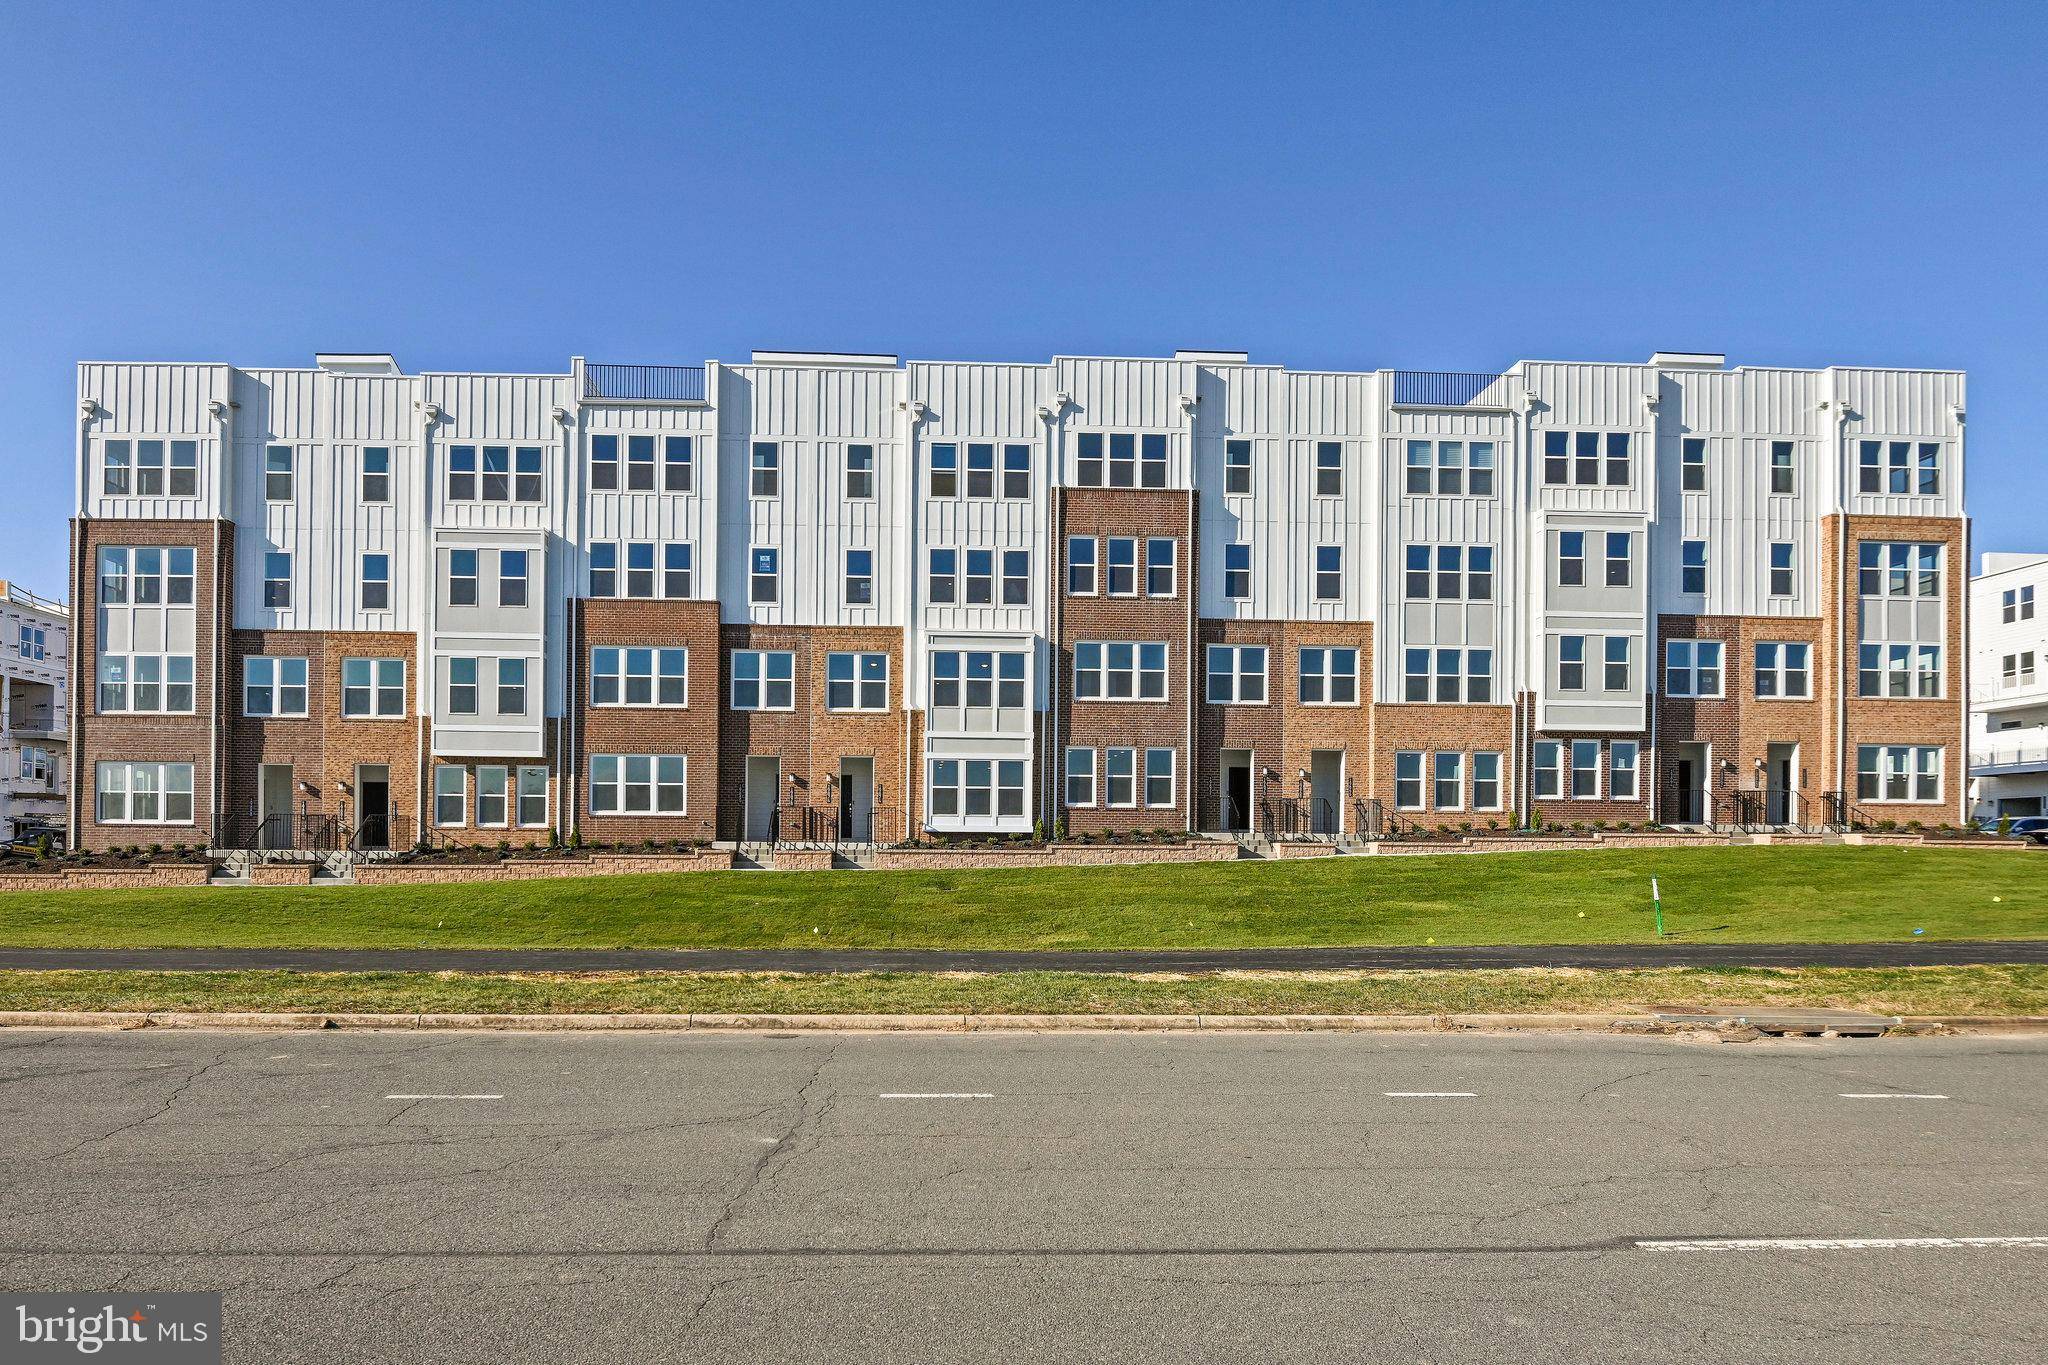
(1688, 784)
(274, 788)
(764, 779)
(1781, 767)
(373, 806)
(1325, 789)
(1237, 790)
(857, 800)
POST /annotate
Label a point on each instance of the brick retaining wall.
(107, 878)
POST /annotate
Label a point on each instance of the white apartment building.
(34, 727)
(1187, 592)
(2009, 686)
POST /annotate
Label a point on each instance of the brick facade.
(1427, 728)
(691, 729)
(1739, 728)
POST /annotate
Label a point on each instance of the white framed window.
(376, 474)
(1237, 571)
(981, 469)
(1237, 466)
(1016, 578)
(860, 471)
(765, 470)
(1619, 544)
(976, 679)
(2017, 604)
(1326, 675)
(1782, 669)
(859, 583)
(2019, 669)
(856, 682)
(1088, 463)
(678, 466)
(493, 796)
(1571, 559)
(37, 764)
(677, 565)
(1151, 460)
(1415, 674)
(1899, 467)
(1899, 670)
(640, 568)
(1080, 771)
(277, 579)
(1784, 473)
(1159, 777)
(156, 684)
(604, 569)
(142, 793)
(604, 463)
(1123, 566)
(1450, 467)
(975, 788)
(942, 580)
(1119, 670)
(1329, 580)
(1898, 569)
(1081, 566)
(1781, 569)
(1329, 469)
(1448, 780)
(512, 578)
(1408, 780)
(1236, 674)
(533, 798)
(1585, 770)
(273, 686)
(1618, 671)
(1898, 772)
(1159, 566)
(1016, 470)
(944, 474)
(451, 795)
(764, 575)
(1486, 781)
(640, 675)
(148, 574)
(1579, 457)
(1692, 567)
(279, 473)
(511, 687)
(463, 577)
(34, 643)
(1120, 777)
(373, 589)
(1692, 668)
(639, 784)
(372, 688)
(1692, 465)
(981, 577)
(149, 454)
(763, 680)
(1621, 769)
(495, 473)
(1549, 770)
(1571, 663)
(462, 686)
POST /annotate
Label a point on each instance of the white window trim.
(505, 794)
(1137, 774)
(1327, 675)
(1779, 672)
(857, 655)
(1237, 674)
(436, 795)
(1095, 583)
(1422, 769)
(1434, 779)
(375, 688)
(1692, 669)
(1137, 544)
(1067, 776)
(277, 686)
(1912, 752)
(654, 786)
(1571, 769)
(1145, 777)
(1138, 672)
(1499, 779)
(163, 791)
(654, 679)
(1559, 773)
(732, 692)
(546, 797)
(1634, 770)
(1172, 567)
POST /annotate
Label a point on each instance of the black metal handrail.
(393, 834)
(1368, 818)
(1839, 813)
(1440, 388)
(300, 832)
(645, 383)
(1291, 817)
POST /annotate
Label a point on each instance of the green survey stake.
(1657, 902)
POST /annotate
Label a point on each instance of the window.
(1692, 567)
(941, 584)
(991, 679)
(981, 470)
(492, 784)
(1929, 467)
(1557, 462)
(1692, 465)
(1781, 467)
(972, 787)
(451, 795)
(526, 469)
(33, 642)
(1329, 469)
(1123, 566)
(1617, 670)
(1152, 452)
(1781, 569)
(1479, 675)
(1898, 670)
(273, 686)
(37, 764)
(159, 574)
(1449, 785)
(1781, 669)
(639, 465)
(462, 687)
(1236, 673)
(1621, 770)
(1237, 466)
(1415, 675)
(1575, 457)
(945, 470)
(1692, 668)
(1329, 573)
(1459, 467)
(676, 565)
(1897, 467)
(859, 465)
(1119, 771)
(277, 579)
(981, 578)
(1549, 769)
(1159, 566)
(511, 687)
(1585, 769)
(1408, 780)
(2019, 669)
(2019, 604)
(764, 581)
(462, 473)
(1016, 470)
(1450, 466)
(1898, 772)
(638, 784)
(1415, 584)
(1420, 459)
(860, 577)
(533, 798)
(1479, 573)
(604, 569)
(678, 466)
(278, 478)
(511, 578)
(1327, 676)
(1571, 663)
(1450, 572)
(1080, 777)
(149, 467)
(640, 675)
(1123, 451)
(1480, 484)
(1617, 459)
(640, 568)
(1237, 571)
(604, 463)
(766, 469)
(500, 465)
(1571, 558)
(1017, 577)
(1081, 566)
(373, 687)
(1486, 781)
(1159, 777)
(114, 467)
(1119, 671)
(497, 482)
(1618, 558)
(153, 683)
(143, 793)
(1088, 459)
(856, 682)
(373, 589)
(113, 574)
(1898, 569)
(462, 578)
(376, 476)
(763, 680)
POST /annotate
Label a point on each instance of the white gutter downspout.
(74, 758)
(914, 412)
(1842, 571)
(224, 413)
(424, 597)
(572, 616)
(1056, 553)
(1190, 587)
(1525, 598)
(1960, 574)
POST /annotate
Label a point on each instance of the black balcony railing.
(1442, 388)
(645, 383)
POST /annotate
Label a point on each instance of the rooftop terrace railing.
(645, 383)
(1445, 389)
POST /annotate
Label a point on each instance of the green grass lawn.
(1907, 990)
(1756, 894)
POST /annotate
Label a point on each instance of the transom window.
(373, 687)
(1119, 671)
(1898, 772)
(1692, 668)
(1327, 675)
(856, 682)
(639, 784)
(639, 675)
(763, 680)
(1581, 458)
(1236, 674)
(273, 686)
(1898, 467)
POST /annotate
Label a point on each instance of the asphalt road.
(764, 1198)
(1905, 953)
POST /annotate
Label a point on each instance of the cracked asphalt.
(748, 1197)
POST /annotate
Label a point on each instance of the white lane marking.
(1430, 1094)
(1886, 1095)
(444, 1097)
(1836, 1243)
(936, 1095)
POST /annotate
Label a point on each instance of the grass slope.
(1757, 894)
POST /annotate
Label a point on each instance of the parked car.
(2034, 827)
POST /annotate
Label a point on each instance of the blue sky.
(1416, 185)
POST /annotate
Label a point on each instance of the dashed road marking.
(936, 1095)
(1835, 1243)
(444, 1097)
(1885, 1095)
(1431, 1094)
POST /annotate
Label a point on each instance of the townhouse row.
(34, 718)
(826, 596)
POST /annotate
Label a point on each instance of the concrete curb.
(934, 1023)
